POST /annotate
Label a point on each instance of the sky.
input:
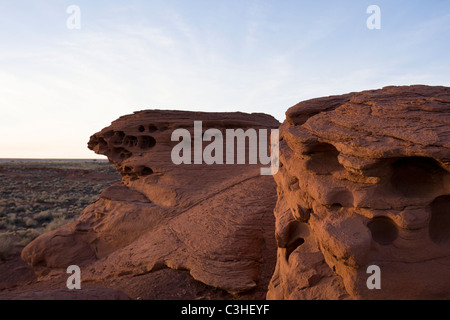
(59, 84)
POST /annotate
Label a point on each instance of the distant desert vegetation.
(40, 196)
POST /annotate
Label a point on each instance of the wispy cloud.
(64, 86)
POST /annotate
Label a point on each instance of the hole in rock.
(130, 141)
(127, 170)
(146, 142)
(146, 171)
(98, 144)
(383, 230)
(417, 176)
(338, 198)
(120, 154)
(117, 138)
(292, 246)
(336, 207)
(141, 129)
(108, 134)
(296, 233)
(324, 158)
(102, 142)
(152, 129)
(439, 228)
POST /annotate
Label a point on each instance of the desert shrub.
(56, 223)
(22, 208)
(11, 216)
(43, 215)
(8, 226)
(43, 199)
(30, 222)
(6, 245)
(26, 236)
(58, 213)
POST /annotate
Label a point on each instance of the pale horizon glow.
(60, 86)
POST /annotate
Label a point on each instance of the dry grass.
(37, 197)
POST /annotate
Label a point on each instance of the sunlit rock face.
(364, 180)
(214, 221)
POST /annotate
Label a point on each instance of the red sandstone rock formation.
(365, 180)
(216, 221)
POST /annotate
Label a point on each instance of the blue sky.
(58, 86)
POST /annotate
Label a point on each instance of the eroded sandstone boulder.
(365, 180)
(216, 221)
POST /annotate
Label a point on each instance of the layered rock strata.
(364, 181)
(215, 221)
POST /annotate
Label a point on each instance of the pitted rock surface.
(365, 180)
(214, 221)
